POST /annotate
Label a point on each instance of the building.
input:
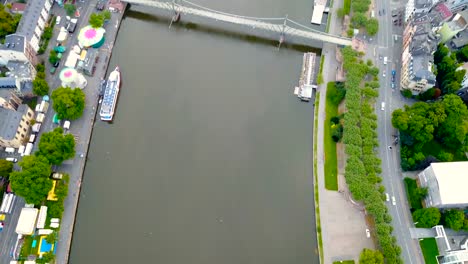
(419, 43)
(16, 49)
(456, 5)
(87, 66)
(116, 6)
(34, 20)
(14, 123)
(413, 7)
(454, 257)
(446, 183)
(451, 28)
(18, 8)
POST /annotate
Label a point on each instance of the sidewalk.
(342, 222)
(82, 128)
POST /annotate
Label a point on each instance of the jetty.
(307, 78)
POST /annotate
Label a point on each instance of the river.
(209, 158)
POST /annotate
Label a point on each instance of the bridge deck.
(234, 19)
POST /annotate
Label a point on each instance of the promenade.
(81, 128)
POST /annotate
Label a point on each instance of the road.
(391, 170)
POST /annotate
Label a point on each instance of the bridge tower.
(176, 16)
(283, 32)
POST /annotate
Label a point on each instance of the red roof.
(18, 7)
(444, 11)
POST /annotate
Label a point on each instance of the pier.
(306, 79)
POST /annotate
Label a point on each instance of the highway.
(386, 46)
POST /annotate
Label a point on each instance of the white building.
(34, 20)
(446, 183)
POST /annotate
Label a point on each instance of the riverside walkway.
(284, 29)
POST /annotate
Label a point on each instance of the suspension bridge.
(281, 29)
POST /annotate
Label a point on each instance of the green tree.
(70, 9)
(454, 219)
(32, 182)
(407, 93)
(51, 238)
(372, 26)
(56, 147)
(53, 58)
(106, 14)
(369, 256)
(96, 20)
(47, 257)
(426, 217)
(462, 54)
(5, 168)
(40, 87)
(359, 20)
(8, 22)
(68, 103)
(454, 128)
(440, 53)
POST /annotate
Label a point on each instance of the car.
(393, 200)
(380, 13)
(57, 176)
(393, 72)
(387, 197)
(393, 85)
(382, 107)
(383, 11)
(1, 226)
(367, 233)
(57, 21)
(56, 64)
(384, 73)
(53, 70)
(100, 6)
(14, 160)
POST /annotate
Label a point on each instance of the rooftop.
(7, 82)
(18, 7)
(31, 15)
(452, 181)
(19, 69)
(10, 120)
(14, 42)
(460, 40)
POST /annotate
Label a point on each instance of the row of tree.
(430, 217)
(33, 182)
(360, 138)
(444, 122)
(68, 103)
(359, 18)
(40, 85)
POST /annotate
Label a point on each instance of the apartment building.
(14, 125)
(34, 21)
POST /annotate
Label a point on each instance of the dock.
(318, 10)
(307, 77)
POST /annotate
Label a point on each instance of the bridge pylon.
(283, 32)
(176, 16)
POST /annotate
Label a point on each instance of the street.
(386, 46)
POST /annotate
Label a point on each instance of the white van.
(383, 106)
(58, 20)
(66, 125)
(10, 150)
(32, 138)
(385, 59)
(21, 150)
(12, 159)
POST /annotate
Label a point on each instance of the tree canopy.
(56, 147)
(372, 26)
(32, 182)
(454, 219)
(68, 103)
(8, 22)
(40, 87)
(5, 168)
(426, 217)
(369, 256)
(96, 20)
(70, 9)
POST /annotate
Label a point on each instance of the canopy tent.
(90, 36)
(71, 78)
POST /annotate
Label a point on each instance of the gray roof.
(19, 69)
(461, 40)
(23, 109)
(9, 122)
(421, 68)
(7, 82)
(26, 87)
(31, 15)
(423, 4)
(14, 42)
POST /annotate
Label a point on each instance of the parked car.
(100, 5)
(57, 176)
(57, 21)
(393, 200)
(367, 233)
(56, 64)
(387, 197)
(14, 160)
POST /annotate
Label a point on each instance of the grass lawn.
(411, 187)
(331, 163)
(344, 262)
(27, 248)
(316, 191)
(429, 250)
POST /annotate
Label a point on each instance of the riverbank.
(82, 129)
